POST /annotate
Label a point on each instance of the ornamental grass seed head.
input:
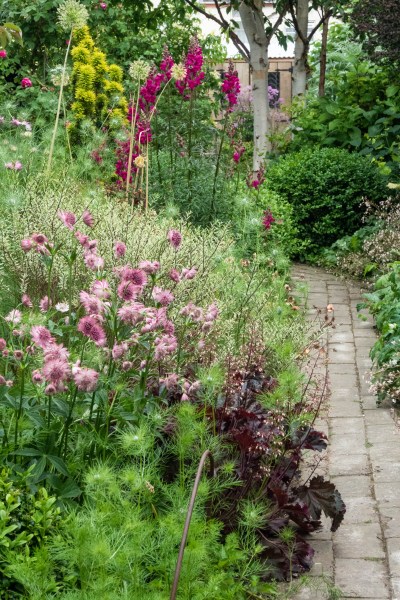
(72, 15)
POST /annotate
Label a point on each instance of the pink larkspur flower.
(85, 379)
(68, 218)
(89, 327)
(163, 297)
(41, 336)
(26, 83)
(119, 249)
(87, 218)
(174, 238)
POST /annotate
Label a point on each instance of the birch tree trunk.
(322, 59)
(300, 51)
(253, 25)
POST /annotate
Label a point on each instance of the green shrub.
(325, 188)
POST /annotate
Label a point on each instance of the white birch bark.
(253, 25)
(299, 67)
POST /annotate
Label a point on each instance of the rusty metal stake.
(203, 459)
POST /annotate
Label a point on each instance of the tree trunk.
(300, 50)
(253, 25)
(322, 59)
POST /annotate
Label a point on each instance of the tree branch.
(224, 25)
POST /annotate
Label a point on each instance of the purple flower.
(193, 66)
(268, 219)
(231, 86)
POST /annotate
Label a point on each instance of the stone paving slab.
(363, 555)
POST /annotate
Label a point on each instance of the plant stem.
(147, 179)
(131, 140)
(53, 139)
(218, 165)
(190, 128)
(21, 398)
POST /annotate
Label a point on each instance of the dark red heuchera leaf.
(320, 495)
(309, 439)
(287, 563)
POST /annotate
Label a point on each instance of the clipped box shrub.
(325, 187)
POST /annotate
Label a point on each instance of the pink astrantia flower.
(3, 344)
(171, 381)
(149, 267)
(164, 345)
(44, 304)
(128, 291)
(82, 239)
(89, 327)
(136, 276)
(193, 312)
(174, 238)
(132, 312)
(119, 350)
(37, 377)
(3, 53)
(101, 289)
(68, 218)
(18, 354)
(119, 249)
(26, 245)
(41, 336)
(14, 317)
(163, 297)
(39, 238)
(26, 83)
(174, 275)
(189, 273)
(91, 303)
(93, 262)
(85, 379)
(87, 218)
(26, 301)
(55, 351)
(56, 371)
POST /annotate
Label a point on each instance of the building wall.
(276, 65)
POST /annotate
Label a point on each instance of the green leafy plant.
(325, 188)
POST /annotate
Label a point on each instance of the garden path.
(363, 458)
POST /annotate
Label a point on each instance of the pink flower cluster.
(38, 242)
(14, 166)
(238, 152)
(194, 73)
(26, 83)
(268, 219)
(231, 86)
(3, 53)
(17, 123)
